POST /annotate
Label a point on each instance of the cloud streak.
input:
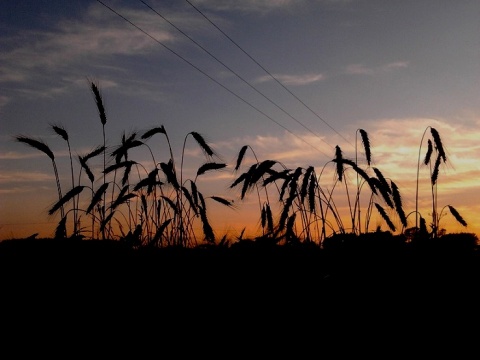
(93, 39)
(262, 6)
(247, 5)
(395, 145)
(361, 69)
(294, 80)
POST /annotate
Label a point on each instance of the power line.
(233, 72)
(268, 72)
(208, 76)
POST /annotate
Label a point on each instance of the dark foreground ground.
(391, 295)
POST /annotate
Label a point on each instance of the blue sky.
(392, 68)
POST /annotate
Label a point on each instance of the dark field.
(367, 297)
(374, 263)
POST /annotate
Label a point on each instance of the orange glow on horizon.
(397, 156)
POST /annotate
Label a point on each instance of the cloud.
(13, 155)
(294, 80)
(360, 69)
(4, 100)
(97, 36)
(246, 5)
(396, 151)
(15, 177)
(262, 6)
(395, 145)
(395, 65)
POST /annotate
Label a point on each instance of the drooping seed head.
(99, 102)
(37, 144)
(60, 130)
(366, 145)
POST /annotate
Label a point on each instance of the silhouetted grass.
(158, 207)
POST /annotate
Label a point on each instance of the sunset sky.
(291, 79)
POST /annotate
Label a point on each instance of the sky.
(290, 79)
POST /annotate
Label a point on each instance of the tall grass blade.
(290, 230)
(311, 192)
(382, 179)
(429, 153)
(60, 130)
(260, 170)
(339, 161)
(36, 144)
(143, 199)
(438, 144)
(275, 175)
(247, 181)
(170, 202)
(305, 182)
(457, 215)
(88, 171)
(397, 200)
(284, 213)
(68, 196)
(106, 221)
(169, 172)
(95, 152)
(359, 171)
(150, 182)
(294, 180)
(436, 169)
(158, 234)
(241, 155)
(99, 102)
(384, 215)
(190, 200)
(285, 185)
(202, 143)
(366, 146)
(194, 193)
(97, 197)
(119, 165)
(207, 228)
(122, 164)
(383, 191)
(122, 150)
(156, 130)
(263, 217)
(122, 200)
(61, 229)
(423, 227)
(210, 166)
(269, 216)
(221, 200)
(238, 180)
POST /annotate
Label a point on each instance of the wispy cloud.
(361, 69)
(4, 100)
(246, 5)
(358, 69)
(13, 155)
(395, 65)
(294, 80)
(395, 145)
(262, 6)
(93, 38)
(15, 177)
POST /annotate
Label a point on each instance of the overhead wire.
(208, 76)
(269, 73)
(235, 73)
